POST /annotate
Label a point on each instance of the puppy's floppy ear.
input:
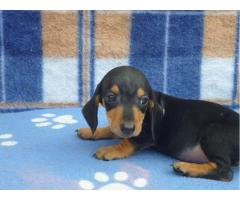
(90, 110)
(156, 110)
(156, 102)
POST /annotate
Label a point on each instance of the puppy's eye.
(143, 100)
(111, 98)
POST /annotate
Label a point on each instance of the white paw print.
(5, 140)
(121, 182)
(56, 122)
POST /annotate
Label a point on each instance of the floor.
(40, 150)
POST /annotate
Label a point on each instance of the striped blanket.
(56, 58)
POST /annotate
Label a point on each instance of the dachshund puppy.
(203, 135)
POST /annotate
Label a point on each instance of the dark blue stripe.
(92, 51)
(14, 109)
(1, 57)
(236, 106)
(80, 57)
(184, 55)
(236, 63)
(147, 45)
(23, 56)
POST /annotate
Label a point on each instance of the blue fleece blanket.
(56, 58)
(40, 150)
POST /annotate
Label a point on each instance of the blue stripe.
(23, 56)
(177, 12)
(165, 61)
(1, 57)
(235, 107)
(92, 51)
(80, 57)
(184, 55)
(236, 63)
(147, 45)
(16, 109)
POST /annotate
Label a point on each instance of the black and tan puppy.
(203, 135)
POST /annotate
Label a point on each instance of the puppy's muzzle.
(127, 129)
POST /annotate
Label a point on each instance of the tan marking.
(60, 34)
(115, 89)
(140, 92)
(100, 133)
(122, 150)
(112, 27)
(194, 169)
(219, 35)
(97, 99)
(151, 104)
(115, 118)
(138, 120)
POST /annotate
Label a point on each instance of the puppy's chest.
(193, 154)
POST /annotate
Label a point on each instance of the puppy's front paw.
(179, 168)
(108, 153)
(85, 133)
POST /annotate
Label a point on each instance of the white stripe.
(3, 60)
(165, 61)
(104, 65)
(217, 78)
(60, 80)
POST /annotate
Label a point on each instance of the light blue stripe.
(165, 60)
(236, 63)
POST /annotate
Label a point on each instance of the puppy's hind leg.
(208, 170)
(217, 143)
(100, 133)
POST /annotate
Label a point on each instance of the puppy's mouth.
(127, 135)
(124, 133)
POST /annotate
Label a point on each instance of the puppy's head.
(127, 96)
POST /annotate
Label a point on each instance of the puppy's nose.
(127, 128)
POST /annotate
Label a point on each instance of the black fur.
(90, 110)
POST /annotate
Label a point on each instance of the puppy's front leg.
(100, 133)
(121, 150)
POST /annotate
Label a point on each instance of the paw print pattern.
(56, 122)
(121, 182)
(5, 140)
